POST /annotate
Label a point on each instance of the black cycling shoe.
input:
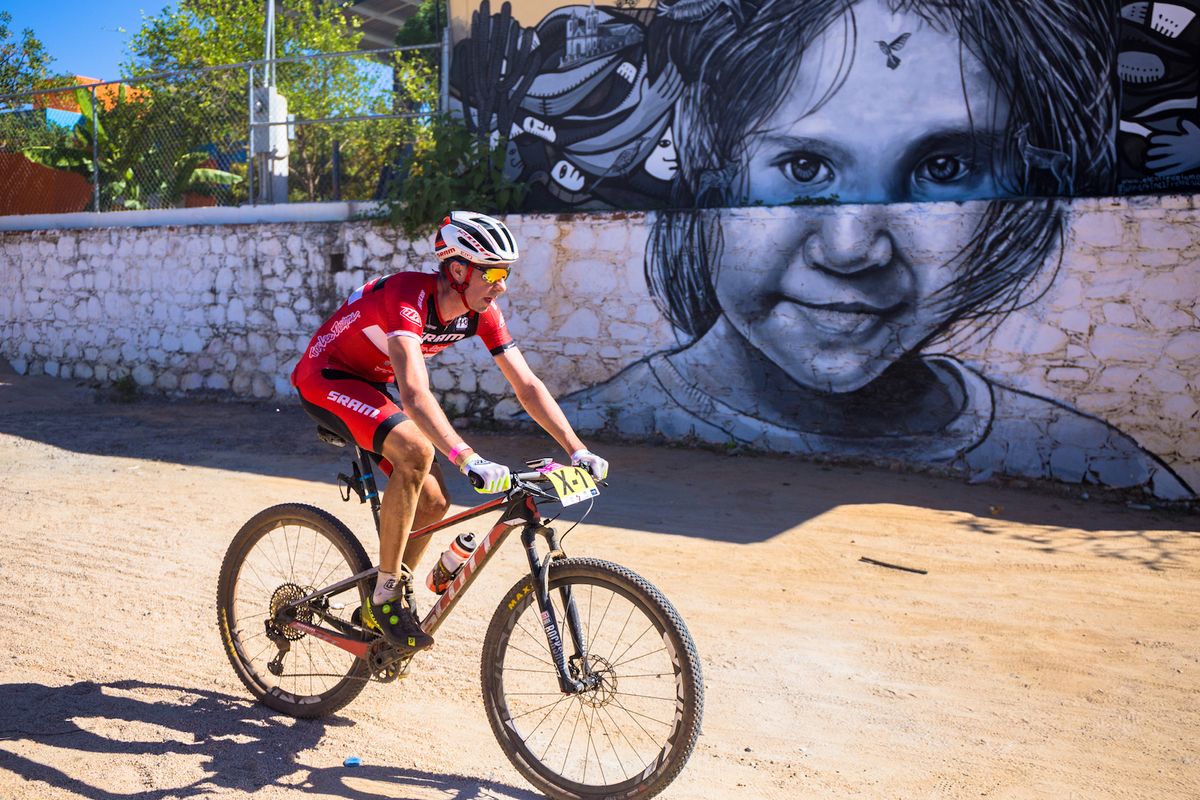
(397, 624)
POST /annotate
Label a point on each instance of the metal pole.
(337, 170)
(95, 157)
(250, 135)
(445, 93)
(269, 55)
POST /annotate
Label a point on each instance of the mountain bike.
(591, 681)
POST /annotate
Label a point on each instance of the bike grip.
(475, 479)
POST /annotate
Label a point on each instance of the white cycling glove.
(495, 477)
(594, 463)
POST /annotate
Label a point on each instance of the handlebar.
(518, 477)
(531, 476)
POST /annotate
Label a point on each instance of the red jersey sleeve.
(493, 331)
(406, 302)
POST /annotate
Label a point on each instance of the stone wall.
(226, 310)
(1117, 332)
(229, 308)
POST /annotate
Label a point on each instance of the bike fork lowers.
(540, 570)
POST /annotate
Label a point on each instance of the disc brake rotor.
(604, 685)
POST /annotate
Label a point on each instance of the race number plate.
(571, 484)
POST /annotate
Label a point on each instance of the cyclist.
(384, 332)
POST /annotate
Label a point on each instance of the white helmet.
(477, 238)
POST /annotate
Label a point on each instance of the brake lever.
(530, 488)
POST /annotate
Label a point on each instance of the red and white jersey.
(355, 338)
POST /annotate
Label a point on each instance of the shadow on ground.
(237, 745)
(738, 499)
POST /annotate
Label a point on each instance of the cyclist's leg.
(432, 506)
(349, 404)
(362, 411)
(411, 455)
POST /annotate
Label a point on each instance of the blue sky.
(84, 36)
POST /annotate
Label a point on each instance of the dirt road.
(1051, 651)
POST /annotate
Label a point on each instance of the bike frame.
(518, 509)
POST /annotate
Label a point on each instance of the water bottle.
(448, 566)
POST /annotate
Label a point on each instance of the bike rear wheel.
(282, 554)
(631, 734)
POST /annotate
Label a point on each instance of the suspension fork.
(539, 568)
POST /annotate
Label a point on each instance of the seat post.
(367, 472)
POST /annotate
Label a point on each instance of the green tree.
(205, 33)
(418, 73)
(24, 62)
(444, 164)
(423, 26)
(449, 166)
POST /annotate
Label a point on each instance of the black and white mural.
(1159, 67)
(916, 157)
(587, 121)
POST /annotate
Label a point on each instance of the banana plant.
(188, 175)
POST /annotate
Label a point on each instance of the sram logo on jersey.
(440, 338)
(354, 405)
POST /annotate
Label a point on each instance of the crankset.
(387, 664)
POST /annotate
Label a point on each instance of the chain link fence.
(323, 127)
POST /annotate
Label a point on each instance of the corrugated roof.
(381, 19)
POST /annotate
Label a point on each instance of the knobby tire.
(242, 623)
(647, 696)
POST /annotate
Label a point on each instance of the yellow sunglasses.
(493, 274)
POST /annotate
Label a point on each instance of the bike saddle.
(329, 437)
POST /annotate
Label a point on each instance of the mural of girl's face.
(663, 161)
(836, 300)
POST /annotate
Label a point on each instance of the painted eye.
(942, 169)
(806, 168)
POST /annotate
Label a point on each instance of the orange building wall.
(33, 189)
(106, 94)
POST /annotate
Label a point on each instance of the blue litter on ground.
(352, 761)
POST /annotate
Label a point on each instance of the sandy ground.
(1051, 651)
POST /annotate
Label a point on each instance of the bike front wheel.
(282, 554)
(631, 733)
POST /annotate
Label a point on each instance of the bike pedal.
(402, 667)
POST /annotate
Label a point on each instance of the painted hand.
(1175, 154)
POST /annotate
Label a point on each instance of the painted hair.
(1052, 60)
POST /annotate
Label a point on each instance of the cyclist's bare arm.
(412, 383)
(536, 399)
